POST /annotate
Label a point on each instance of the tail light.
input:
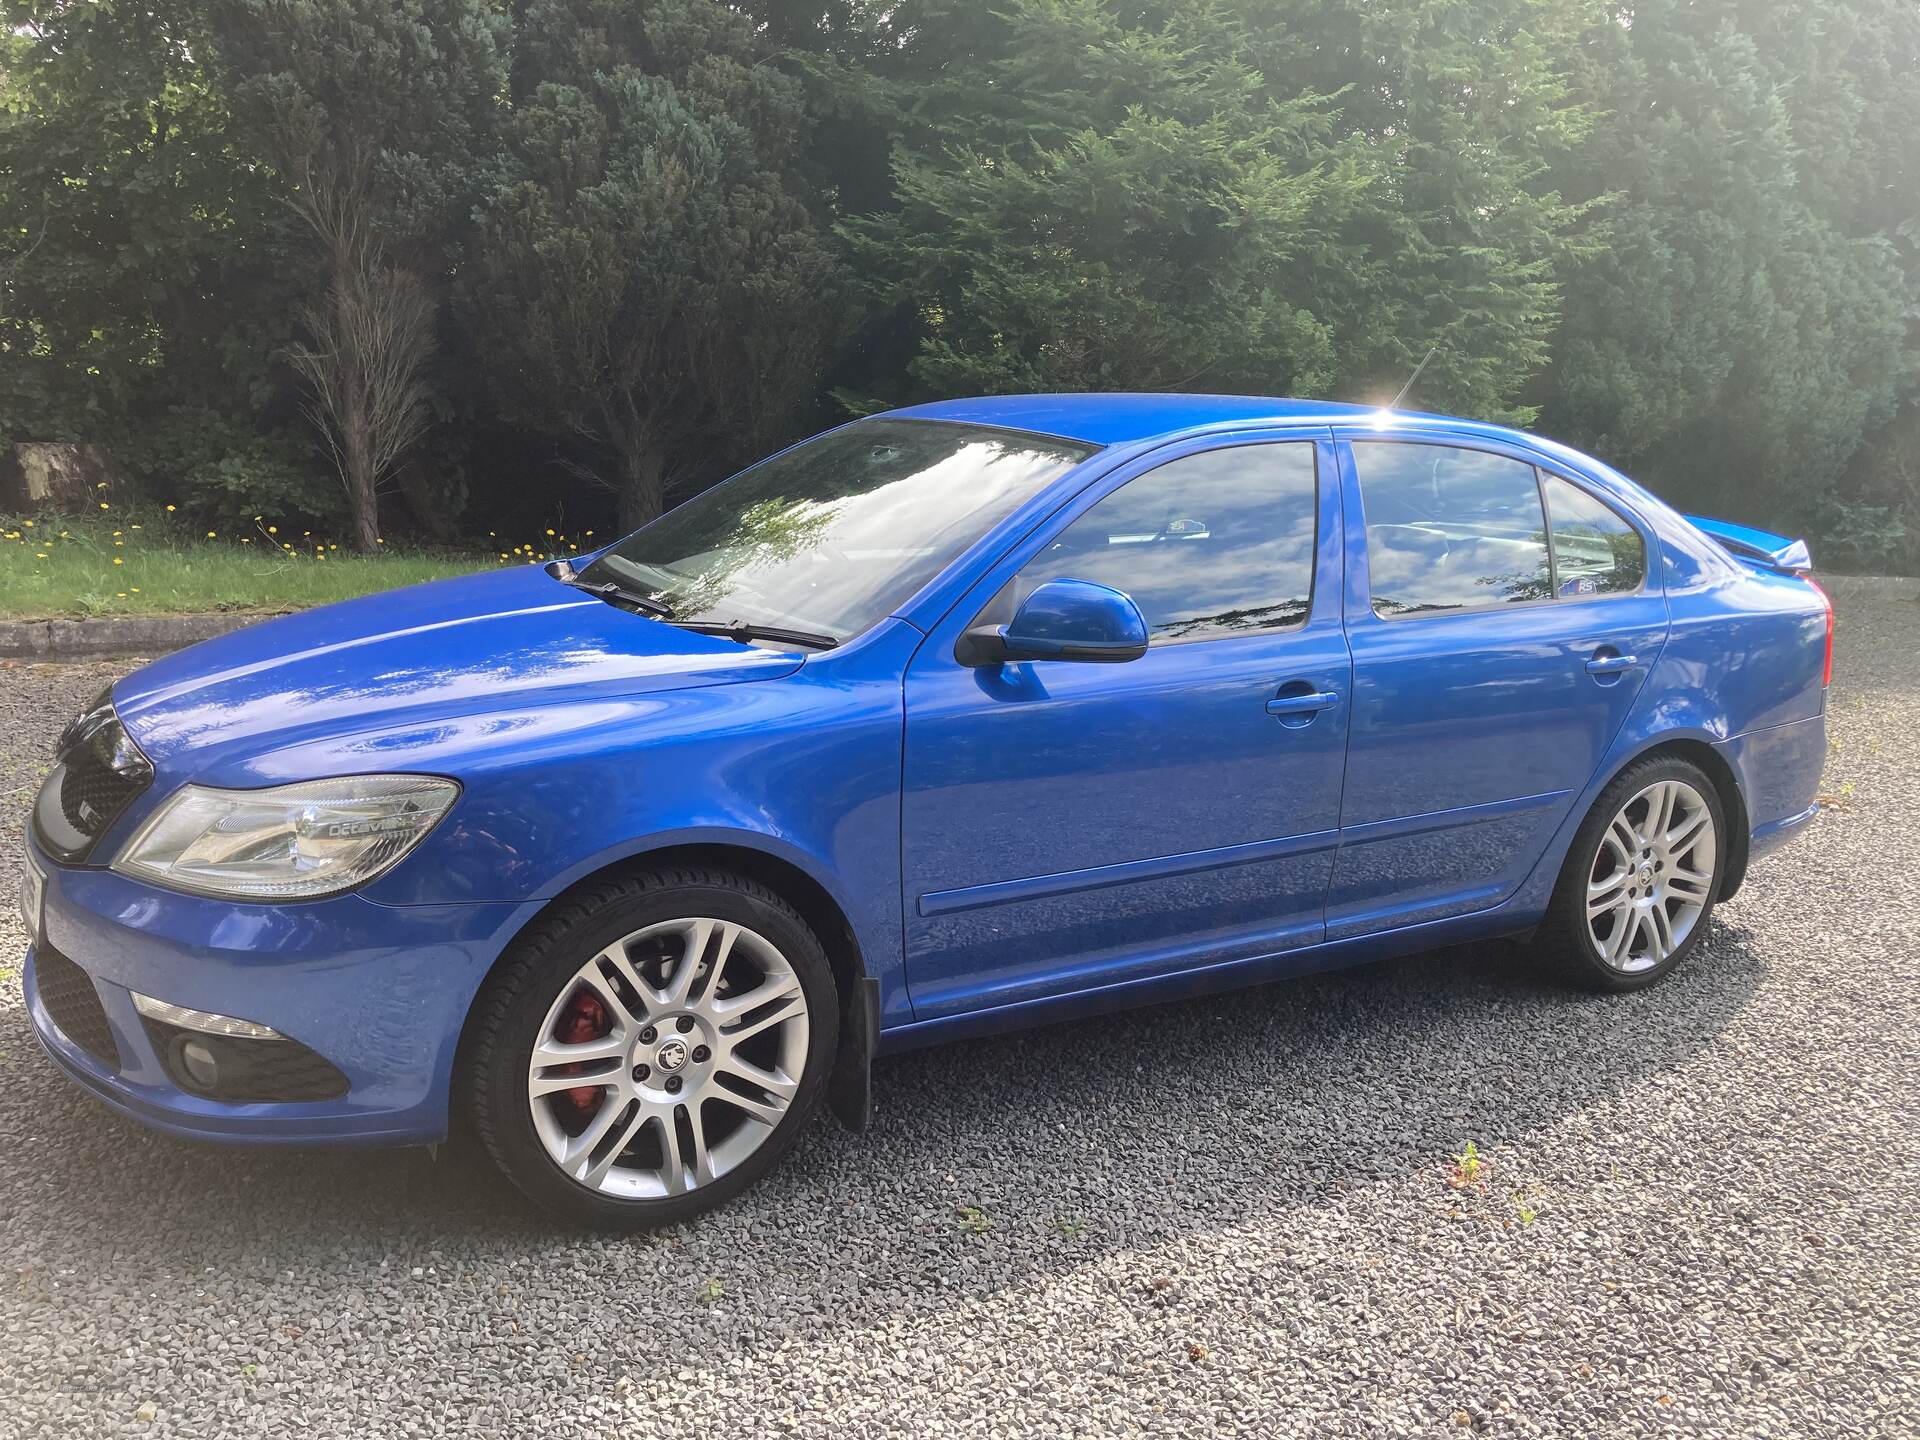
(1826, 665)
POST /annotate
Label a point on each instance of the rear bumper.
(1779, 770)
(380, 992)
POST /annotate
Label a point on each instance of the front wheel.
(1640, 878)
(652, 1047)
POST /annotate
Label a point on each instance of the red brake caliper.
(584, 1019)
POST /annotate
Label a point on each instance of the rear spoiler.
(1759, 547)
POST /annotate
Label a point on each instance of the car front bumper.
(380, 992)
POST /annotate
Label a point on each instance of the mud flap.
(849, 1087)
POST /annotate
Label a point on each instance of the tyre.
(1640, 879)
(650, 1048)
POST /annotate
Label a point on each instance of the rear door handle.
(1307, 704)
(1612, 664)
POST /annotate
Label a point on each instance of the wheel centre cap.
(672, 1055)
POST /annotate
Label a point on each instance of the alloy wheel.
(1652, 876)
(669, 1058)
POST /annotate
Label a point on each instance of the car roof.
(1119, 419)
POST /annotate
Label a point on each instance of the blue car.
(963, 717)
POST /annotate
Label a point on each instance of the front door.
(1502, 620)
(1070, 825)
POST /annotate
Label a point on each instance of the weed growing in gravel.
(712, 1290)
(974, 1220)
(1072, 1226)
(1468, 1169)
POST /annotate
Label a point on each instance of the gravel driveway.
(1700, 1210)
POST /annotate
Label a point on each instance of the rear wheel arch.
(1714, 765)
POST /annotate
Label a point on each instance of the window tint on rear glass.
(1595, 552)
(1450, 529)
(1218, 543)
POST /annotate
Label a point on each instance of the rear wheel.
(1640, 878)
(653, 1047)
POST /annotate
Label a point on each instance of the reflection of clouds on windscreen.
(832, 534)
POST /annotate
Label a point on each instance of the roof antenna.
(1413, 377)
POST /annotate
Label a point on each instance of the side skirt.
(1236, 974)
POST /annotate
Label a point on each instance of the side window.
(1595, 552)
(1218, 543)
(1450, 529)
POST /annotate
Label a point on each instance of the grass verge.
(62, 566)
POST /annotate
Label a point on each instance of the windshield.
(834, 534)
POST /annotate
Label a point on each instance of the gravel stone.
(1699, 1213)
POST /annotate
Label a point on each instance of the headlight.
(291, 842)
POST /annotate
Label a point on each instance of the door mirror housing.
(1063, 620)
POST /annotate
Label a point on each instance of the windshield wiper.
(746, 632)
(611, 591)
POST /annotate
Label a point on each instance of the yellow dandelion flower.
(169, 509)
(120, 595)
(105, 506)
(134, 588)
(378, 541)
(39, 554)
(548, 532)
(116, 532)
(118, 561)
(27, 523)
(271, 529)
(503, 554)
(136, 527)
(119, 542)
(210, 535)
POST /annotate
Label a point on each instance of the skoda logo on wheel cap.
(672, 1055)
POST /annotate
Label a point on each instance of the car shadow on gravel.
(990, 1161)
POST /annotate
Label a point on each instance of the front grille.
(99, 772)
(249, 1071)
(74, 1005)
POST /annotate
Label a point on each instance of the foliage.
(377, 114)
(141, 261)
(645, 283)
(224, 472)
(1747, 315)
(1682, 233)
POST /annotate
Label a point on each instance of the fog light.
(206, 1022)
(196, 1062)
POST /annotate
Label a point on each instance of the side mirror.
(1063, 620)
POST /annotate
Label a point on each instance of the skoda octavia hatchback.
(964, 717)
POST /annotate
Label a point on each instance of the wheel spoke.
(538, 1085)
(1690, 886)
(1661, 925)
(775, 1083)
(685, 1164)
(1605, 895)
(1680, 838)
(624, 1020)
(612, 1046)
(708, 945)
(1619, 942)
(764, 1011)
(1659, 811)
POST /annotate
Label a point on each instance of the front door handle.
(1612, 664)
(1308, 704)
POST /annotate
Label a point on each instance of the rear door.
(1502, 621)
(1067, 826)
